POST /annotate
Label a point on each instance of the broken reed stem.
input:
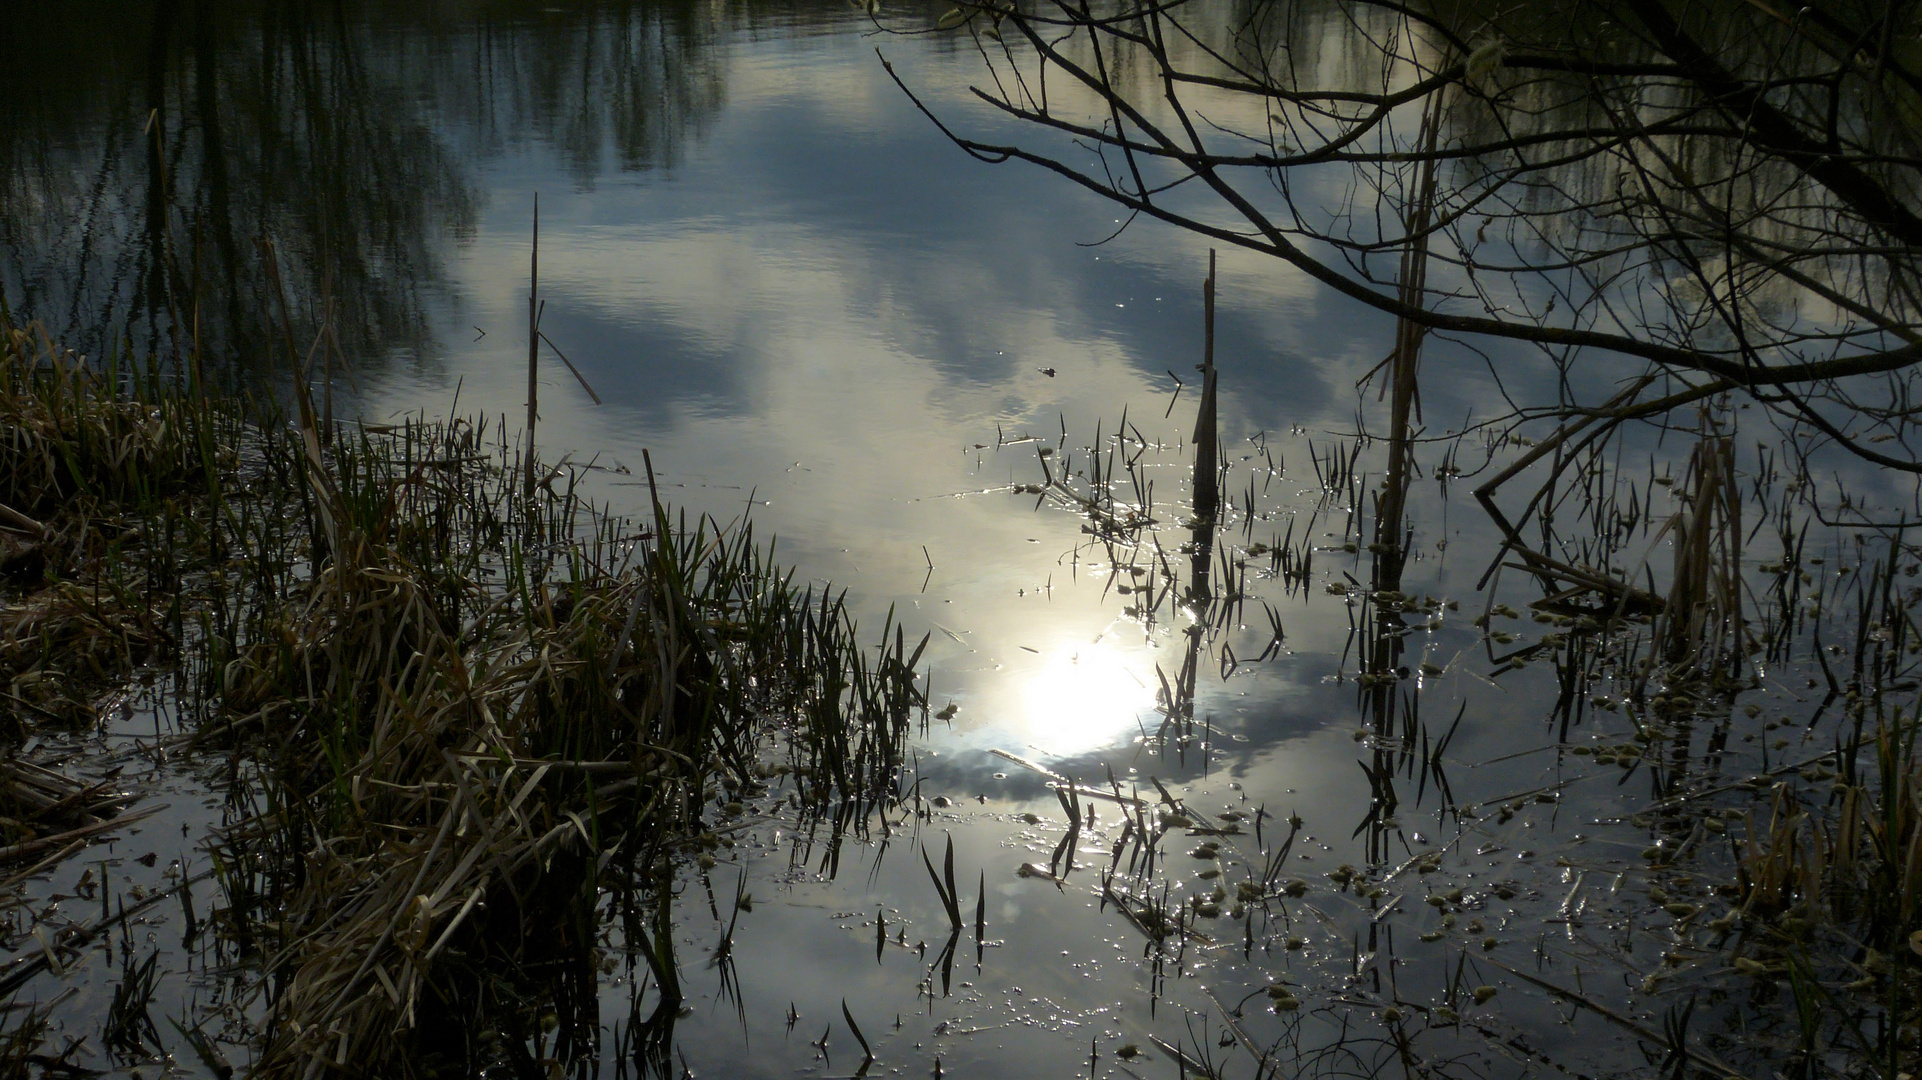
(1207, 472)
(1701, 631)
(1404, 363)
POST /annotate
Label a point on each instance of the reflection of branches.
(1723, 195)
(1675, 206)
(283, 126)
(137, 201)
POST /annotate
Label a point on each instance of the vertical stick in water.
(330, 347)
(327, 391)
(533, 344)
(1403, 363)
(1207, 482)
(199, 373)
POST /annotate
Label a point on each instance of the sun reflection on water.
(1082, 697)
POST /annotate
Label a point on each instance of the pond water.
(792, 293)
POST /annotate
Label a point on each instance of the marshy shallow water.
(1249, 797)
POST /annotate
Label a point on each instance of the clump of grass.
(70, 432)
(468, 701)
(458, 709)
(1827, 901)
(64, 644)
(1701, 633)
(107, 476)
(104, 472)
(22, 1034)
(130, 1032)
(44, 808)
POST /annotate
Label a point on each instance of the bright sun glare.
(1082, 697)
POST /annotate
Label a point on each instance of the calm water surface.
(789, 289)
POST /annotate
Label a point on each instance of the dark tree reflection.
(151, 146)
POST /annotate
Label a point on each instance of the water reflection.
(387, 151)
(1085, 696)
(781, 324)
(351, 135)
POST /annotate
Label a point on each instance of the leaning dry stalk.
(1702, 632)
(1780, 863)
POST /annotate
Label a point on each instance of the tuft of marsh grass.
(22, 1034)
(106, 475)
(130, 1032)
(477, 709)
(70, 431)
(459, 710)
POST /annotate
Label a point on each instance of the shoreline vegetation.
(473, 735)
(455, 715)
